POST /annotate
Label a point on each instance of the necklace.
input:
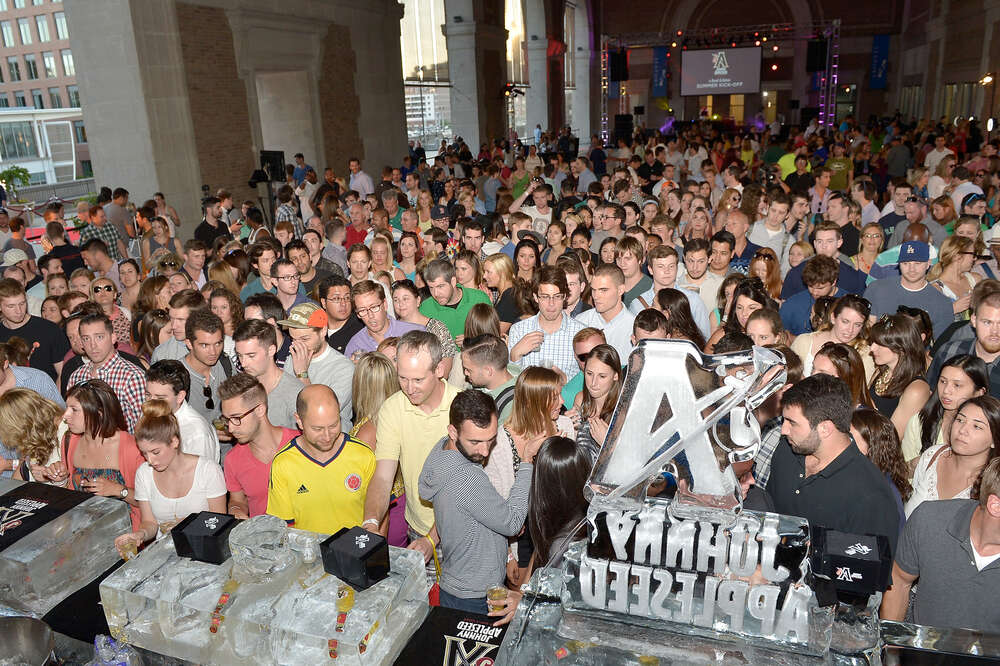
(882, 382)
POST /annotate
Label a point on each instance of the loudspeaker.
(273, 162)
(618, 65)
(816, 55)
(639, 110)
(793, 104)
(623, 127)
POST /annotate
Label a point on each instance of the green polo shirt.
(454, 316)
(396, 221)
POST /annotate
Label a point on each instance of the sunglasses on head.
(170, 264)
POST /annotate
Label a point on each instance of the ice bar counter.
(53, 541)
(271, 602)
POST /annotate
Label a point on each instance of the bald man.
(320, 479)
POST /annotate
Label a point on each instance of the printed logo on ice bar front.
(361, 540)
(845, 574)
(11, 517)
(212, 523)
(456, 653)
(857, 549)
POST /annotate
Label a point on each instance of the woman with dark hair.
(839, 360)
(408, 254)
(171, 484)
(962, 377)
(606, 252)
(952, 470)
(239, 265)
(481, 319)
(556, 508)
(898, 388)
(764, 327)
(469, 271)
(406, 303)
(99, 453)
(130, 279)
(595, 403)
(876, 437)
(748, 297)
(153, 294)
(677, 309)
(527, 260)
(152, 331)
(847, 324)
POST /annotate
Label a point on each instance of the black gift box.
(857, 564)
(204, 536)
(356, 556)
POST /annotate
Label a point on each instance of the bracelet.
(14, 463)
(302, 375)
(373, 521)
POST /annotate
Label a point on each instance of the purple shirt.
(364, 342)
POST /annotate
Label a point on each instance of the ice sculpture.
(53, 541)
(694, 578)
(270, 603)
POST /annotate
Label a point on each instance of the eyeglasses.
(971, 254)
(339, 299)
(364, 312)
(170, 264)
(764, 255)
(871, 235)
(99, 288)
(913, 198)
(206, 391)
(235, 420)
(550, 297)
(286, 278)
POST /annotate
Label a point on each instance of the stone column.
(477, 70)
(537, 95)
(582, 102)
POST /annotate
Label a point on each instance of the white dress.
(925, 481)
(209, 483)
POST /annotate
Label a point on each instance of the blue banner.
(880, 63)
(613, 89)
(660, 70)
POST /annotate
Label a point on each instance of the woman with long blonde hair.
(534, 417)
(498, 275)
(382, 257)
(730, 200)
(424, 204)
(952, 275)
(33, 427)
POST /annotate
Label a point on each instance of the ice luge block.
(271, 603)
(53, 541)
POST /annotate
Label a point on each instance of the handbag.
(434, 594)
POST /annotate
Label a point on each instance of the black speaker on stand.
(816, 55)
(272, 162)
(618, 65)
(623, 127)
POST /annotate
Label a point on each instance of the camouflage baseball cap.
(305, 315)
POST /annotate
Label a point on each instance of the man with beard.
(820, 474)
(471, 517)
(319, 481)
(985, 339)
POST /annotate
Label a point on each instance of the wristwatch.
(302, 375)
(124, 493)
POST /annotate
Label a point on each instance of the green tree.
(13, 178)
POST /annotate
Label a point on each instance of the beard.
(471, 457)
(806, 447)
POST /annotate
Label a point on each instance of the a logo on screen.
(720, 63)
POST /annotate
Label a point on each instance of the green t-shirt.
(396, 222)
(773, 154)
(454, 316)
(840, 168)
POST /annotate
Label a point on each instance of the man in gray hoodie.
(473, 520)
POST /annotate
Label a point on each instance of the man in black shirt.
(47, 344)
(800, 179)
(212, 226)
(649, 173)
(820, 474)
(334, 293)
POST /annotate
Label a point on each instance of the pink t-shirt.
(245, 474)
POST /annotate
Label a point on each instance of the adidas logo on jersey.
(302, 489)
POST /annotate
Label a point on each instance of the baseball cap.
(531, 234)
(12, 257)
(914, 251)
(439, 213)
(305, 315)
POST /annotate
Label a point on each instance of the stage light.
(764, 38)
(757, 43)
(774, 68)
(990, 124)
(775, 48)
(680, 32)
(673, 45)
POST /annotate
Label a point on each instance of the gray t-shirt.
(281, 401)
(888, 294)
(336, 371)
(119, 217)
(935, 546)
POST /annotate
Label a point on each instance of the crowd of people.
(436, 355)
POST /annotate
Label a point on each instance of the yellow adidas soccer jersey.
(320, 497)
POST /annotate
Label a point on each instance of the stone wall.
(339, 103)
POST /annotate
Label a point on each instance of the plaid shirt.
(106, 233)
(127, 381)
(769, 440)
(557, 348)
(287, 214)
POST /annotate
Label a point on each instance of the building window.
(517, 62)
(426, 92)
(736, 108)
(18, 4)
(86, 169)
(36, 178)
(49, 62)
(30, 66)
(24, 25)
(8, 33)
(14, 67)
(69, 69)
(62, 32)
(4, 102)
(79, 131)
(55, 98)
(37, 2)
(3, 5)
(42, 25)
(73, 93)
(19, 99)
(37, 99)
(18, 140)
